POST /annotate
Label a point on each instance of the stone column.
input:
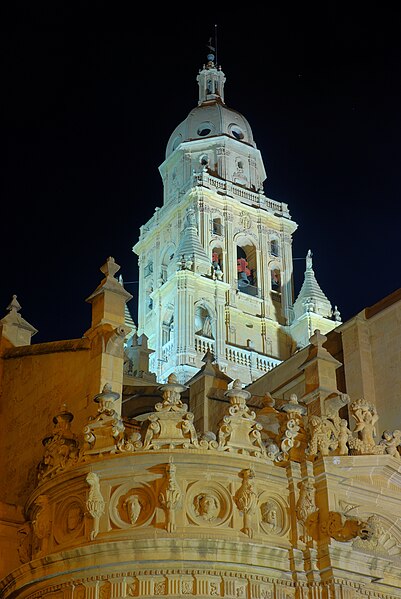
(185, 317)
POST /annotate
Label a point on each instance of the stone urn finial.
(237, 395)
(110, 267)
(171, 394)
(106, 399)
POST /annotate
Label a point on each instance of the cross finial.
(14, 305)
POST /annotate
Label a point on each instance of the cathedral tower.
(215, 261)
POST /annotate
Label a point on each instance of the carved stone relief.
(366, 417)
(305, 506)
(245, 220)
(95, 503)
(336, 526)
(105, 590)
(209, 504)
(132, 505)
(170, 496)
(42, 525)
(60, 448)
(69, 520)
(273, 515)
(246, 500)
(167, 582)
(380, 542)
(24, 549)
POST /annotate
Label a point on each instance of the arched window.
(217, 262)
(168, 324)
(239, 176)
(167, 331)
(275, 280)
(148, 270)
(274, 247)
(246, 268)
(149, 300)
(217, 227)
(203, 321)
(167, 263)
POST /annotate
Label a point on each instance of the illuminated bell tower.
(215, 261)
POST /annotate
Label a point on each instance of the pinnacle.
(14, 305)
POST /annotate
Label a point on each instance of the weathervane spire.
(211, 78)
(212, 47)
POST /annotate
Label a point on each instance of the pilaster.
(108, 330)
(358, 365)
(185, 334)
(321, 393)
(286, 283)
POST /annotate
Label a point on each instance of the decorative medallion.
(208, 504)
(69, 520)
(132, 506)
(273, 514)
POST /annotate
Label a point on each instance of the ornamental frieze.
(171, 582)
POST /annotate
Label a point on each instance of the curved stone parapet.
(119, 510)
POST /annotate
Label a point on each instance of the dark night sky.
(85, 118)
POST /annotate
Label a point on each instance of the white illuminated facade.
(215, 261)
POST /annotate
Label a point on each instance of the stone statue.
(309, 260)
(391, 440)
(328, 433)
(366, 417)
(322, 435)
(191, 219)
(343, 435)
(206, 330)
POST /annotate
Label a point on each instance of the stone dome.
(208, 120)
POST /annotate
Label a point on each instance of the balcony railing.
(235, 355)
(247, 288)
(167, 350)
(245, 195)
(204, 344)
(250, 359)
